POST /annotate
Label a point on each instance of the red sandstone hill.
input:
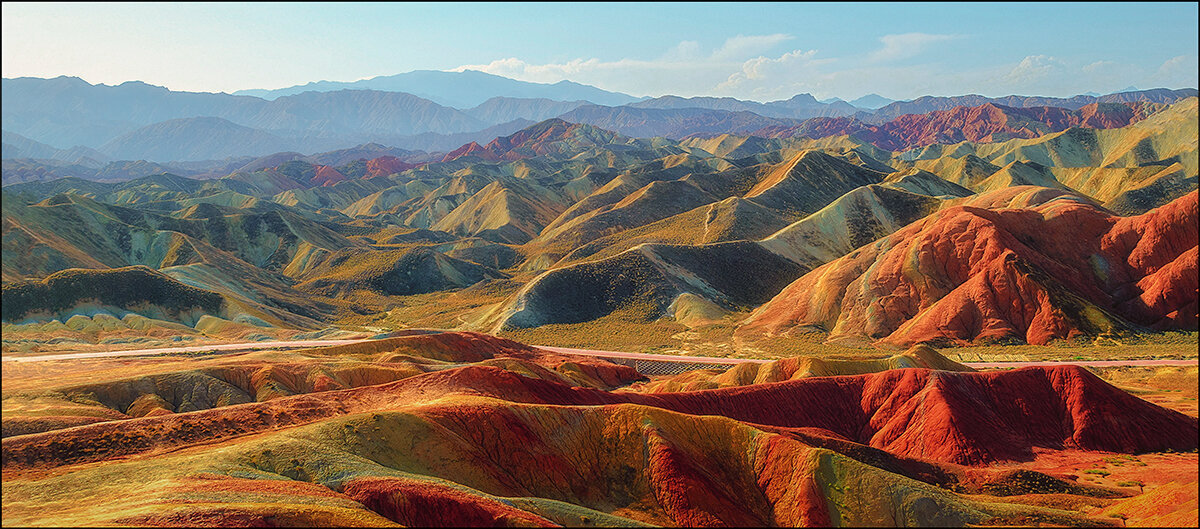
(326, 176)
(984, 123)
(386, 165)
(467, 429)
(471, 149)
(549, 137)
(1056, 270)
(964, 418)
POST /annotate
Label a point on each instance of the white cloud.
(905, 45)
(767, 79)
(1099, 66)
(1176, 63)
(682, 70)
(743, 47)
(685, 51)
(1032, 70)
(1108, 76)
(743, 67)
(1176, 72)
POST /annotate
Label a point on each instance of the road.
(729, 361)
(1088, 363)
(655, 357)
(249, 346)
(254, 346)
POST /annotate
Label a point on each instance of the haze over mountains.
(457, 89)
(65, 121)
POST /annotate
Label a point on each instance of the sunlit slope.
(856, 218)
(731, 219)
(97, 394)
(808, 182)
(918, 356)
(1131, 169)
(1162, 136)
(74, 231)
(506, 210)
(740, 203)
(925, 183)
(475, 430)
(964, 274)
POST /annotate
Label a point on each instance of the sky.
(755, 51)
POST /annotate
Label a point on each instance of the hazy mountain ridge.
(69, 111)
(801, 106)
(927, 104)
(461, 90)
(988, 123)
(139, 121)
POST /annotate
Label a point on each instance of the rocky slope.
(470, 429)
(1052, 270)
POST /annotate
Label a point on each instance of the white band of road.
(255, 346)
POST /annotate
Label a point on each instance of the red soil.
(471, 149)
(415, 503)
(1151, 469)
(964, 274)
(327, 176)
(984, 123)
(26, 425)
(386, 165)
(964, 418)
(526, 143)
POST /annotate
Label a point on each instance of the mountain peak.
(545, 137)
(871, 101)
(803, 98)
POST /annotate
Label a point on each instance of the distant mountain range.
(871, 101)
(50, 124)
(461, 90)
(984, 123)
(801, 106)
(922, 105)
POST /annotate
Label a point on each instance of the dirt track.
(252, 346)
(729, 361)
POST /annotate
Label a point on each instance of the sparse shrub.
(1133, 483)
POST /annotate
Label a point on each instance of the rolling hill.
(471, 429)
(560, 207)
(1053, 270)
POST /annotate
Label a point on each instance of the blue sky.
(749, 51)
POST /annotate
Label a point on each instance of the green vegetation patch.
(121, 287)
